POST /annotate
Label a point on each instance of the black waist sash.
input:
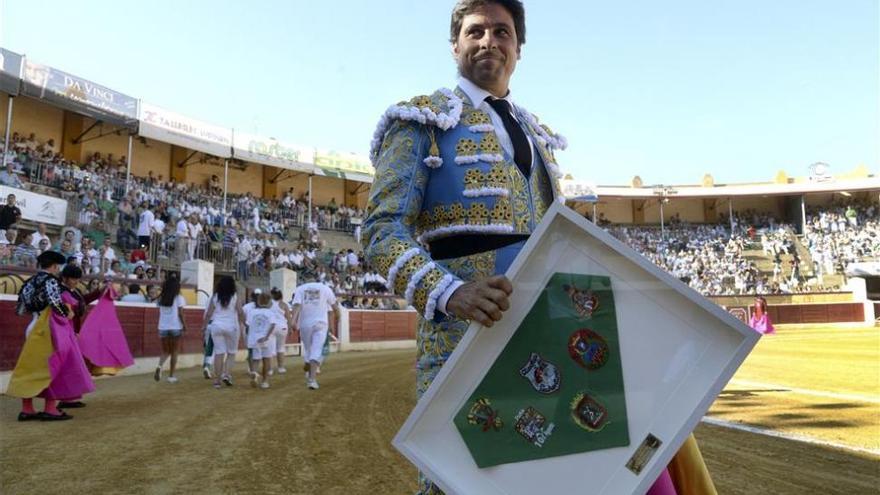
(468, 244)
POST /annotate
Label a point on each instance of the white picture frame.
(678, 351)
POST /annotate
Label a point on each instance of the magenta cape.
(102, 340)
(663, 485)
(50, 364)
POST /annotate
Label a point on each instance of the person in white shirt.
(256, 217)
(351, 259)
(283, 311)
(90, 253)
(262, 323)
(315, 311)
(182, 232)
(39, 235)
(224, 318)
(195, 230)
(145, 224)
(171, 326)
(158, 226)
(246, 310)
(296, 259)
(243, 255)
(108, 255)
(134, 295)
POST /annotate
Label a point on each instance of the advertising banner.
(170, 127)
(78, 95)
(37, 207)
(269, 151)
(344, 165)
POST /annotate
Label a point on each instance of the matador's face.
(487, 49)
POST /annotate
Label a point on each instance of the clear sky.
(666, 90)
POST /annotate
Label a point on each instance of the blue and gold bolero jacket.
(441, 172)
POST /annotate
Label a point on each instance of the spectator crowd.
(134, 232)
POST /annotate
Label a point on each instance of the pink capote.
(101, 339)
(70, 377)
(663, 485)
(762, 324)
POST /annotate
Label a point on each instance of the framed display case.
(589, 384)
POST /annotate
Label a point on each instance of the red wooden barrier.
(371, 326)
(140, 325)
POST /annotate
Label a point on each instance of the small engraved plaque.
(643, 454)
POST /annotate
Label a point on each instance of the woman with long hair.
(223, 320)
(171, 325)
(760, 320)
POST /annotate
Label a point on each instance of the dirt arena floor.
(138, 436)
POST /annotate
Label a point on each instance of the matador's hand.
(483, 300)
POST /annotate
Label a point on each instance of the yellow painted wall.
(615, 210)
(29, 115)
(325, 188)
(710, 210)
(74, 127)
(115, 143)
(356, 194)
(688, 209)
(299, 183)
(773, 204)
(638, 211)
(249, 180)
(153, 156)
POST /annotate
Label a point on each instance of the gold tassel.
(435, 150)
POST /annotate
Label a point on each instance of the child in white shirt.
(262, 322)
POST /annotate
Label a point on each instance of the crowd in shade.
(99, 184)
(131, 234)
(158, 222)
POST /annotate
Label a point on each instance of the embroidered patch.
(588, 413)
(477, 117)
(588, 349)
(491, 183)
(544, 376)
(483, 414)
(502, 212)
(489, 144)
(532, 426)
(585, 302)
(466, 147)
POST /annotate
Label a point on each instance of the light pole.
(663, 192)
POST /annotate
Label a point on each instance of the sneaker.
(157, 375)
(282, 370)
(172, 379)
(255, 379)
(264, 385)
(227, 380)
(313, 385)
(271, 372)
(217, 385)
(206, 372)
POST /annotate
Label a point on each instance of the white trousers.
(312, 338)
(280, 340)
